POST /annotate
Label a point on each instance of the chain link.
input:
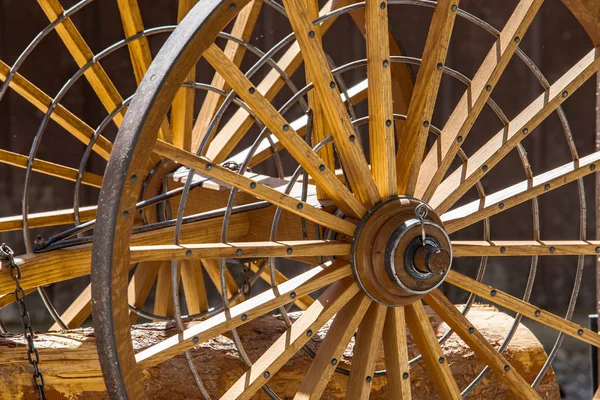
(33, 356)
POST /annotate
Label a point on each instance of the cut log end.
(70, 364)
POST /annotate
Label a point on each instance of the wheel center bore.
(400, 252)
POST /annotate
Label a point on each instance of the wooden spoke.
(50, 218)
(301, 302)
(469, 107)
(435, 362)
(259, 190)
(42, 269)
(334, 110)
(521, 192)
(242, 28)
(368, 340)
(462, 179)
(300, 248)
(63, 117)
(182, 111)
(381, 113)
(291, 341)
(78, 311)
(237, 126)
(356, 94)
(479, 344)
(139, 50)
(411, 147)
(82, 54)
(396, 354)
(213, 268)
(528, 310)
(297, 147)
(163, 297)
(335, 343)
(314, 279)
(140, 286)
(524, 248)
(49, 168)
(194, 289)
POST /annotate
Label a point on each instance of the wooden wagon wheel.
(74, 224)
(383, 247)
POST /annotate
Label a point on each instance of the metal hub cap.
(400, 252)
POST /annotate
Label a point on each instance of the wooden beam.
(301, 302)
(194, 288)
(140, 285)
(49, 218)
(411, 146)
(78, 311)
(506, 248)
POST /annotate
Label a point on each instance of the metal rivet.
(580, 332)
(133, 178)
(321, 167)
(195, 340)
(352, 138)
(501, 205)
(152, 78)
(188, 253)
(309, 332)
(537, 313)
(459, 139)
(565, 94)
(388, 123)
(252, 185)
(525, 131)
(488, 88)
(493, 292)
(252, 90)
(267, 374)
(597, 249)
(369, 379)
(385, 63)
(507, 368)
(552, 249)
(289, 250)
(440, 66)
(244, 317)
(405, 375)
(484, 168)
(454, 7)
(293, 295)
(239, 252)
(332, 84)
(382, 5)
(299, 206)
(311, 34)
(547, 186)
(232, 7)
(502, 249)
(471, 330)
(286, 128)
(126, 213)
(517, 40)
(592, 167)
(208, 167)
(441, 360)
(333, 361)
(426, 124)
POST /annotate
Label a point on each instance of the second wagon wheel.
(377, 216)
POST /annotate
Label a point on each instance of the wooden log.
(71, 370)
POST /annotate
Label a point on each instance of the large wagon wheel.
(383, 247)
(73, 225)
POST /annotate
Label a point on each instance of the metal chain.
(33, 356)
(246, 286)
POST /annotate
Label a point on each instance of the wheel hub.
(400, 252)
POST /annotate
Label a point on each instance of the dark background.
(554, 42)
